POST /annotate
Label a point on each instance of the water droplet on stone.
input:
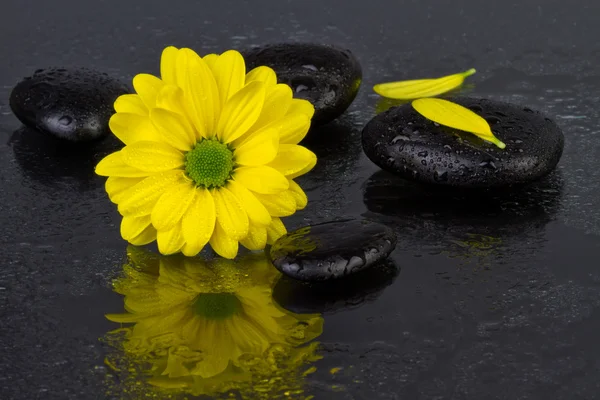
(65, 120)
(423, 154)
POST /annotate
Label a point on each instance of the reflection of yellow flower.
(210, 157)
(210, 327)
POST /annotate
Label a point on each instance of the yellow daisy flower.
(211, 326)
(210, 155)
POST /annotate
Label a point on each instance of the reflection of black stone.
(403, 142)
(60, 164)
(327, 76)
(71, 104)
(335, 296)
(332, 250)
(431, 215)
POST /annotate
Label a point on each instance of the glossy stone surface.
(332, 250)
(327, 76)
(403, 142)
(71, 104)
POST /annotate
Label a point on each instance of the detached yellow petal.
(455, 116)
(415, 89)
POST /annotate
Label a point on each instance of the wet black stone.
(405, 143)
(332, 250)
(327, 76)
(331, 297)
(71, 104)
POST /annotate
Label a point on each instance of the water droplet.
(423, 154)
(65, 120)
(488, 164)
(424, 162)
(399, 138)
(311, 67)
(527, 109)
(440, 176)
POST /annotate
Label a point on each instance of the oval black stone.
(71, 104)
(405, 143)
(327, 76)
(332, 250)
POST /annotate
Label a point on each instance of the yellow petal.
(173, 129)
(113, 165)
(292, 159)
(456, 116)
(414, 89)
(301, 106)
(201, 95)
(170, 98)
(257, 213)
(147, 87)
(261, 179)
(262, 74)
(230, 72)
(172, 205)
(293, 128)
(198, 223)
(241, 111)
(116, 185)
(275, 231)
(210, 60)
(171, 241)
(256, 239)
(148, 235)
(140, 199)
(299, 195)
(152, 156)
(131, 227)
(222, 244)
(260, 148)
(231, 214)
(278, 100)
(131, 128)
(279, 205)
(131, 103)
(168, 65)
(304, 170)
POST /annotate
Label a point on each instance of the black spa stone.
(405, 143)
(332, 250)
(70, 104)
(327, 76)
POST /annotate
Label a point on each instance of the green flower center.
(217, 305)
(209, 163)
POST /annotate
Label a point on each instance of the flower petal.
(168, 65)
(260, 148)
(222, 244)
(131, 103)
(256, 239)
(131, 128)
(170, 98)
(292, 159)
(279, 205)
(148, 235)
(210, 60)
(241, 111)
(299, 195)
(147, 87)
(171, 241)
(231, 215)
(172, 205)
(132, 227)
(261, 179)
(198, 223)
(301, 106)
(415, 89)
(275, 230)
(116, 185)
(140, 199)
(173, 129)
(152, 156)
(293, 128)
(230, 72)
(278, 100)
(113, 165)
(262, 74)
(257, 213)
(201, 95)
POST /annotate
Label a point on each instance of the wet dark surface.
(484, 307)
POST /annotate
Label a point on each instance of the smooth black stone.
(332, 250)
(405, 143)
(327, 76)
(331, 297)
(71, 104)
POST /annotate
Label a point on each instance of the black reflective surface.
(495, 300)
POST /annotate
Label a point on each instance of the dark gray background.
(518, 321)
